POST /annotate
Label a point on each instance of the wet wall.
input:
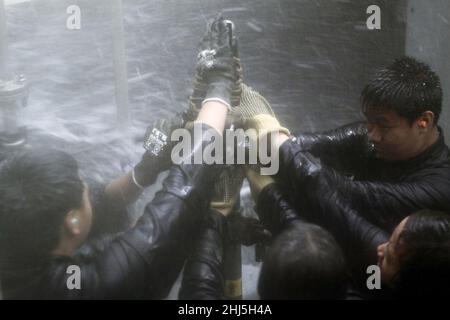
(427, 38)
(309, 58)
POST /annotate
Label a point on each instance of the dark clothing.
(142, 262)
(357, 237)
(382, 192)
(360, 202)
(203, 272)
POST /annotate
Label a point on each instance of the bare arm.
(123, 188)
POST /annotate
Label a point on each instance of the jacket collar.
(436, 153)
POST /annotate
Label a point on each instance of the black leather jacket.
(357, 237)
(203, 273)
(142, 262)
(382, 192)
(321, 196)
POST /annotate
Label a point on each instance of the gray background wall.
(309, 58)
(427, 38)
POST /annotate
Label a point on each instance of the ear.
(72, 222)
(426, 121)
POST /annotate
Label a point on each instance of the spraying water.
(309, 58)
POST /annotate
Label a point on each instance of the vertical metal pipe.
(3, 40)
(13, 93)
(232, 268)
(120, 65)
(233, 271)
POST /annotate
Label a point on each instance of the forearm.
(123, 188)
(335, 141)
(213, 113)
(355, 234)
(345, 148)
(381, 203)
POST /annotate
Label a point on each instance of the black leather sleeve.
(357, 237)
(382, 203)
(145, 260)
(203, 272)
(342, 148)
(274, 211)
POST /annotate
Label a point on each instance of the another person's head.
(44, 206)
(402, 104)
(415, 262)
(304, 262)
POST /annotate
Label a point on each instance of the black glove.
(217, 65)
(248, 231)
(158, 146)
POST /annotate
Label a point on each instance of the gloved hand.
(255, 112)
(248, 231)
(257, 182)
(218, 67)
(158, 146)
(227, 189)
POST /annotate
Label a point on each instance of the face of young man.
(389, 254)
(393, 136)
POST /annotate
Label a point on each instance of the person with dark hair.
(420, 256)
(395, 163)
(304, 261)
(414, 261)
(46, 213)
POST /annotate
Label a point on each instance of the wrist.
(219, 91)
(218, 100)
(265, 123)
(135, 182)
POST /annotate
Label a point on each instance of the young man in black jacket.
(361, 181)
(394, 164)
(46, 213)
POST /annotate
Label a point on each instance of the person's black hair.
(37, 189)
(304, 262)
(425, 262)
(408, 87)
